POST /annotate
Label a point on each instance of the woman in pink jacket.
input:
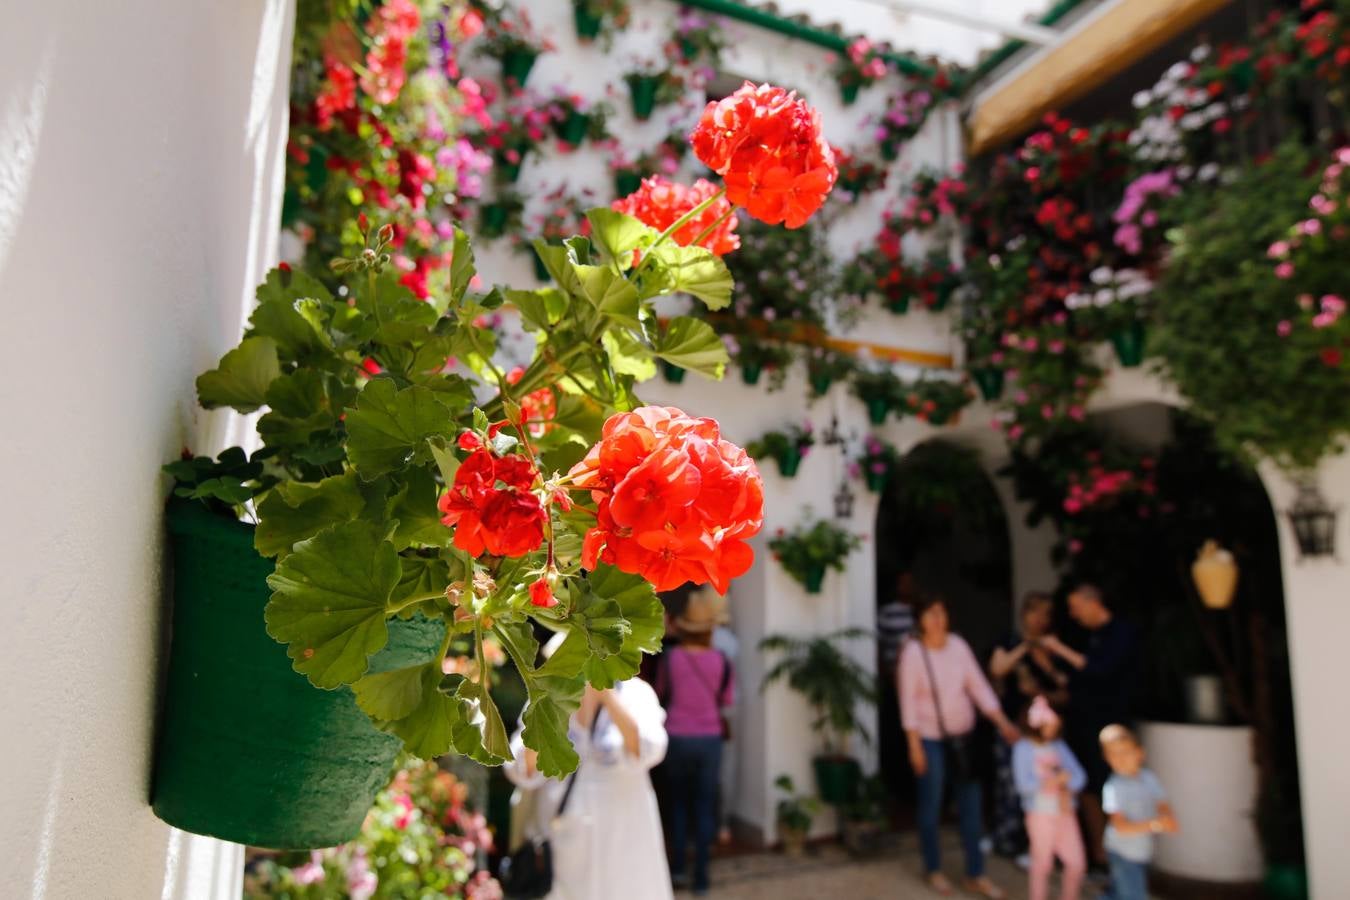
(941, 688)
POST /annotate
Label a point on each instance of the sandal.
(940, 883)
(985, 888)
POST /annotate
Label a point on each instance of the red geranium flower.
(537, 407)
(767, 146)
(676, 501)
(491, 506)
(660, 202)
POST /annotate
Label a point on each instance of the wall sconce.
(1314, 522)
(843, 500)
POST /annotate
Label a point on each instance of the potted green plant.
(599, 19)
(697, 36)
(754, 355)
(808, 550)
(787, 448)
(878, 463)
(501, 215)
(879, 389)
(860, 64)
(1115, 303)
(863, 819)
(835, 685)
(513, 42)
(938, 401)
(651, 85)
(794, 814)
(512, 136)
(576, 119)
(663, 159)
(825, 366)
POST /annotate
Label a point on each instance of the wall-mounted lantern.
(843, 500)
(1314, 522)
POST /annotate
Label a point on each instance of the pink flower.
(1284, 270)
(1075, 546)
(1077, 413)
(1055, 347)
(1321, 205)
(1284, 328)
(1310, 226)
(1278, 250)
(1324, 320)
(1015, 432)
(1332, 304)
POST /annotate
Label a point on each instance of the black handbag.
(959, 750)
(527, 874)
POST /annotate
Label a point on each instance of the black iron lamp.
(833, 437)
(843, 501)
(1314, 522)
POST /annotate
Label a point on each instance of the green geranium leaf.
(419, 519)
(546, 717)
(482, 715)
(645, 619)
(301, 403)
(422, 575)
(571, 655)
(390, 696)
(627, 356)
(461, 266)
(429, 730)
(696, 271)
(329, 601)
(611, 294)
(619, 234)
(389, 428)
(295, 511)
(539, 310)
(693, 344)
(602, 621)
(290, 312)
(446, 460)
(242, 378)
(558, 261)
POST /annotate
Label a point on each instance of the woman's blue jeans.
(692, 765)
(968, 807)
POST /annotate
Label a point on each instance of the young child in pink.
(1049, 777)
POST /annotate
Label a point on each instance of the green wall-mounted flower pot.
(1129, 343)
(688, 50)
(1286, 882)
(837, 778)
(849, 93)
(642, 89)
(820, 384)
(750, 373)
(572, 130)
(876, 481)
(504, 171)
(789, 461)
(672, 373)
(588, 23)
(898, 304)
(877, 410)
(516, 65)
(247, 750)
(492, 219)
(626, 182)
(815, 578)
(990, 382)
(890, 151)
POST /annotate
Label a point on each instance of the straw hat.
(705, 610)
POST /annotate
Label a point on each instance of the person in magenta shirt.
(695, 683)
(941, 688)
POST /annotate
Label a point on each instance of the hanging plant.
(825, 366)
(663, 159)
(787, 448)
(509, 37)
(755, 356)
(650, 86)
(861, 64)
(859, 176)
(1117, 305)
(931, 199)
(563, 216)
(502, 215)
(574, 119)
(518, 131)
(877, 463)
(698, 38)
(809, 550)
(937, 402)
(881, 390)
(600, 19)
(903, 119)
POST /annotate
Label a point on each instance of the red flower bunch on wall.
(660, 202)
(492, 505)
(390, 29)
(768, 147)
(676, 501)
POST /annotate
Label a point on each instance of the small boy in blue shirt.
(1136, 808)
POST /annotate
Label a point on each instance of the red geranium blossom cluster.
(767, 146)
(660, 202)
(391, 28)
(537, 408)
(1099, 485)
(492, 505)
(676, 501)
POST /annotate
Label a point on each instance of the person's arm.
(1076, 778)
(910, 698)
(982, 693)
(1024, 768)
(1167, 818)
(622, 719)
(1064, 651)
(1122, 823)
(1004, 661)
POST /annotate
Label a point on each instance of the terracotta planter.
(837, 778)
(572, 130)
(626, 183)
(642, 89)
(990, 382)
(672, 373)
(820, 384)
(815, 578)
(1129, 344)
(849, 93)
(794, 840)
(750, 372)
(588, 23)
(877, 410)
(516, 65)
(247, 750)
(789, 461)
(1215, 574)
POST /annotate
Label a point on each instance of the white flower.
(1192, 121)
(1100, 275)
(1200, 53)
(1178, 71)
(1208, 172)
(1142, 99)
(1104, 297)
(1077, 301)
(1184, 173)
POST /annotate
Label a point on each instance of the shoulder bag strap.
(572, 782)
(933, 687)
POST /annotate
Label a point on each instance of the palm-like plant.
(830, 680)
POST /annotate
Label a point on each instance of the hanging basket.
(516, 65)
(990, 382)
(820, 384)
(672, 373)
(815, 578)
(572, 130)
(642, 90)
(837, 778)
(492, 219)
(898, 304)
(504, 171)
(588, 23)
(1129, 344)
(247, 750)
(849, 93)
(877, 410)
(890, 151)
(876, 481)
(626, 182)
(789, 461)
(750, 372)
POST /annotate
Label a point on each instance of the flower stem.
(707, 232)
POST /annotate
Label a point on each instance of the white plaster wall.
(140, 150)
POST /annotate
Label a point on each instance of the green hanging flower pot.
(516, 65)
(492, 219)
(572, 130)
(815, 578)
(672, 373)
(898, 304)
(247, 750)
(588, 23)
(540, 270)
(750, 372)
(642, 89)
(820, 383)
(626, 182)
(506, 172)
(890, 151)
(876, 481)
(1286, 882)
(1129, 344)
(688, 50)
(789, 461)
(849, 93)
(877, 410)
(989, 380)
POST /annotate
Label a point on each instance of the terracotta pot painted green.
(820, 384)
(1286, 882)
(626, 182)
(492, 219)
(849, 93)
(247, 750)
(642, 89)
(789, 461)
(837, 778)
(588, 23)
(1129, 344)
(750, 372)
(815, 578)
(877, 410)
(672, 373)
(876, 481)
(516, 65)
(572, 130)
(990, 382)
(890, 151)
(540, 270)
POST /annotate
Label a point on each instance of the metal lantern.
(833, 437)
(843, 501)
(1314, 522)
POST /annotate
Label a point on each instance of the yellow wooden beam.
(1107, 43)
